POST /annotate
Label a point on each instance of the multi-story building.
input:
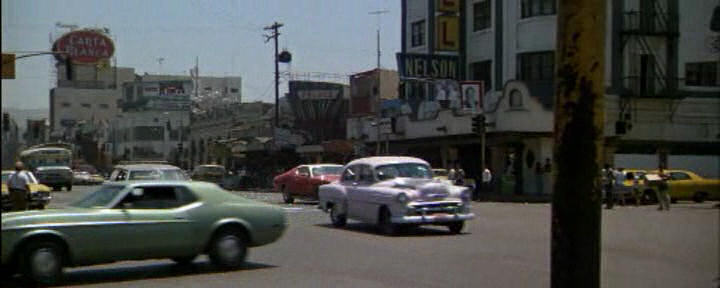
(91, 95)
(220, 126)
(661, 79)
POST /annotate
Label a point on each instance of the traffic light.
(478, 124)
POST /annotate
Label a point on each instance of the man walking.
(607, 179)
(19, 189)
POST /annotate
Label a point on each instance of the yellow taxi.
(39, 193)
(686, 185)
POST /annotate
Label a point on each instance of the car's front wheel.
(336, 217)
(456, 227)
(229, 249)
(287, 198)
(699, 197)
(385, 223)
(42, 262)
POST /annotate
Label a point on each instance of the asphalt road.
(507, 245)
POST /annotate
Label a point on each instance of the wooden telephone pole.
(579, 122)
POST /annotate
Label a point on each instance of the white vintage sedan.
(393, 192)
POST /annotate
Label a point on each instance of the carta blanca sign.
(84, 46)
(428, 66)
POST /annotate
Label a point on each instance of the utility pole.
(274, 28)
(578, 151)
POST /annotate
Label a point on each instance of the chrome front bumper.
(433, 218)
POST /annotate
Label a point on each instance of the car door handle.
(178, 217)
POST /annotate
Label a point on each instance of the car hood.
(48, 216)
(422, 189)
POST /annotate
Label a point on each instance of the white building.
(91, 96)
(662, 86)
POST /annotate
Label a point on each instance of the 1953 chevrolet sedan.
(136, 221)
(395, 191)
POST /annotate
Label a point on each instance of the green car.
(137, 221)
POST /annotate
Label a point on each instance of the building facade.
(661, 79)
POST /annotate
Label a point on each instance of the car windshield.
(327, 170)
(407, 170)
(100, 198)
(164, 174)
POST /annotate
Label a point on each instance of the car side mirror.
(137, 192)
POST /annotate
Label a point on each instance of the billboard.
(450, 6)
(428, 66)
(320, 109)
(83, 46)
(472, 96)
(447, 31)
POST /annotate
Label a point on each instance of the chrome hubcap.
(44, 262)
(229, 248)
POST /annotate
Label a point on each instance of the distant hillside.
(21, 115)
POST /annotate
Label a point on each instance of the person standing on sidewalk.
(662, 190)
(607, 179)
(18, 186)
(486, 180)
(620, 187)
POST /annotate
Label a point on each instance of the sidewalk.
(514, 198)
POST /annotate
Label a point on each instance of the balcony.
(649, 23)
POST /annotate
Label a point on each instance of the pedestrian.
(539, 171)
(18, 186)
(607, 180)
(460, 177)
(452, 175)
(486, 180)
(635, 186)
(662, 189)
(620, 187)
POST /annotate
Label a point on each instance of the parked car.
(179, 220)
(209, 173)
(39, 193)
(303, 181)
(55, 177)
(393, 191)
(686, 185)
(133, 172)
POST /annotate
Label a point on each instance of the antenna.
(160, 61)
(378, 13)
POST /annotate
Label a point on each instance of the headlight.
(402, 198)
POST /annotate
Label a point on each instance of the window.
(86, 105)
(481, 15)
(532, 8)
(536, 66)
(234, 90)
(157, 197)
(679, 176)
(515, 99)
(104, 106)
(208, 88)
(149, 133)
(303, 171)
(418, 33)
(482, 71)
(366, 174)
(66, 104)
(701, 74)
(350, 174)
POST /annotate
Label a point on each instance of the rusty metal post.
(579, 120)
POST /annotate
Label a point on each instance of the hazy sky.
(335, 36)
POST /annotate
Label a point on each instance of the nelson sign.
(428, 66)
(84, 46)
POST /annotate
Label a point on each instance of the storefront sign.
(447, 33)
(428, 66)
(84, 46)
